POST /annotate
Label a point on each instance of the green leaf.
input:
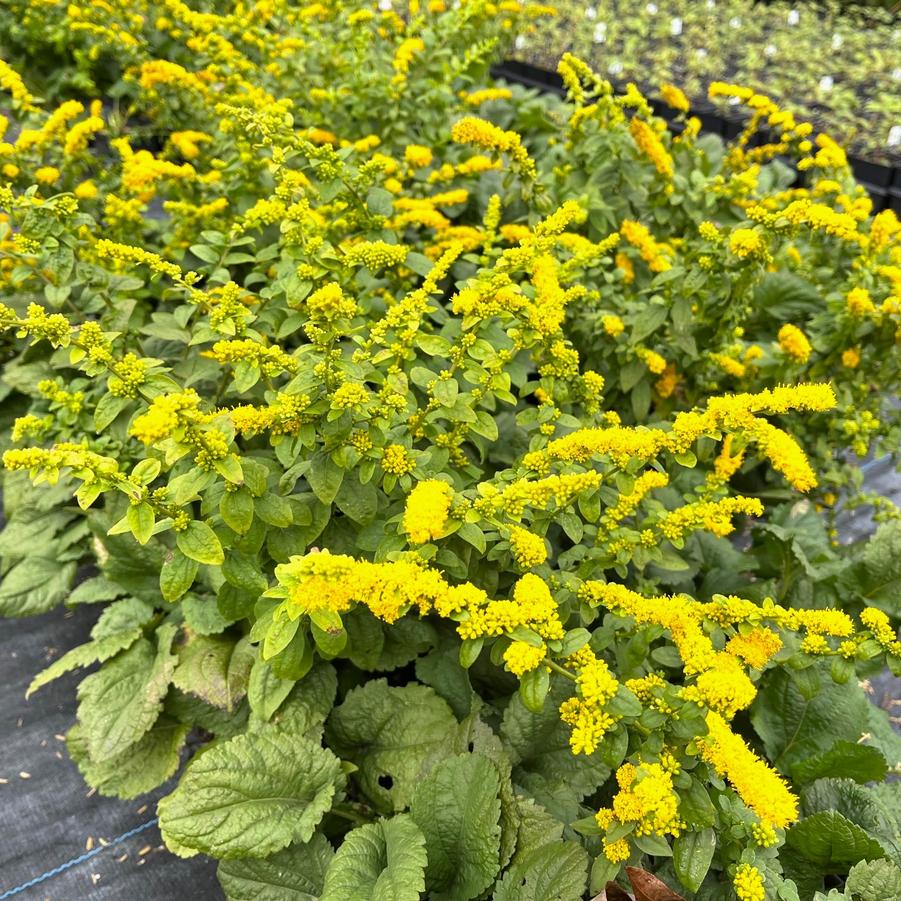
(278, 636)
(121, 701)
(458, 810)
(215, 668)
(177, 575)
(122, 616)
(381, 861)
(199, 542)
(324, 477)
(533, 688)
(203, 616)
(108, 408)
(876, 880)
(543, 760)
(140, 521)
(274, 510)
(394, 735)
(846, 760)
(265, 691)
(84, 655)
(141, 768)
(833, 842)
(236, 508)
(793, 726)
(380, 202)
(692, 854)
(35, 585)
(554, 872)
(250, 796)
(296, 873)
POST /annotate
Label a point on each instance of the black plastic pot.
(871, 173)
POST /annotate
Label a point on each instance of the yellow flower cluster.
(537, 493)
(163, 418)
(528, 549)
(733, 412)
(472, 130)
(755, 647)
(522, 658)
(281, 417)
(397, 460)
(674, 97)
(585, 713)
(748, 883)
(649, 143)
(641, 239)
(794, 343)
(646, 797)
(426, 510)
(270, 360)
(759, 786)
(712, 516)
(375, 255)
(329, 303)
(880, 625)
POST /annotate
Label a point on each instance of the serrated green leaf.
(458, 810)
(876, 880)
(542, 757)
(199, 542)
(296, 873)
(846, 760)
(141, 768)
(122, 616)
(833, 842)
(794, 727)
(250, 796)
(393, 735)
(553, 872)
(381, 861)
(122, 700)
(215, 668)
(35, 585)
(84, 655)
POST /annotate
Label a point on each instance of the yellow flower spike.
(426, 511)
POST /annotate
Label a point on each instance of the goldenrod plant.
(396, 452)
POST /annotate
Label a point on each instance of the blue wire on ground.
(76, 860)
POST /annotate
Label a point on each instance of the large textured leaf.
(845, 759)
(295, 874)
(876, 880)
(876, 813)
(833, 842)
(121, 701)
(793, 726)
(308, 705)
(35, 585)
(215, 668)
(122, 616)
(84, 655)
(555, 872)
(882, 568)
(250, 796)
(140, 768)
(458, 810)
(543, 759)
(382, 861)
(393, 735)
(785, 297)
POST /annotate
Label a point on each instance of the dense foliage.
(456, 467)
(836, 64)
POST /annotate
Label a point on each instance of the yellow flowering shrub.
(443, 496)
